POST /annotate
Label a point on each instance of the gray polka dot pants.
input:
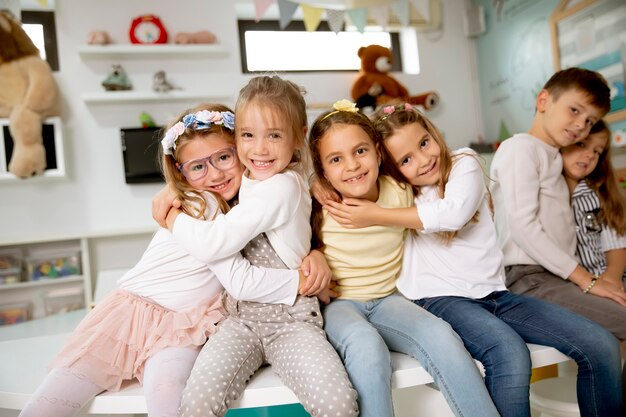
(291, 339)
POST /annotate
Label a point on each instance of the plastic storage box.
(14, 313)
(63, 300)
(10, 266)
(53, 265)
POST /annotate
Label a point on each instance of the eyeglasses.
(222, 160)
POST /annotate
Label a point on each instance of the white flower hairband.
(196, 121)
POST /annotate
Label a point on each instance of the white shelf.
(115, 51)
(42, 282)
(116, 97)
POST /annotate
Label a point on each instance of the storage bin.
(63, 300)
(53, 265)
(12, 313)
(10, 265)
(10, 276)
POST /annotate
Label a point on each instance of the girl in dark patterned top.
(598, 206)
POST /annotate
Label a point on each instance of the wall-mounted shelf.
(114, 51)
(42, 282)
(116, 97)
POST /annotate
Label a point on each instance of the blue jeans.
(496, 328)
(363, 332)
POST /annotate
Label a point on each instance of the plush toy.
(202, 36)
(28, 94)
(375, 86)
(98, 37)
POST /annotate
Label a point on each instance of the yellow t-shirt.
(366, 262)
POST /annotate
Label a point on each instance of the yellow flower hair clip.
(343, 105)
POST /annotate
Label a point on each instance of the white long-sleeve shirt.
(471, 264)
(533, 218)
(169, 276)
(280, 206)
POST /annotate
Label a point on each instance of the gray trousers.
(291, 339)
(536, 281)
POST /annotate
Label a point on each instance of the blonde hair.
(387, 121)
(193, 202)
(603, 182)
(286, 99)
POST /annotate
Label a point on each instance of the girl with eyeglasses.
(153, 326)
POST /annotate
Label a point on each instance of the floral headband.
(343, 105)
(387, 110)
(196, 121)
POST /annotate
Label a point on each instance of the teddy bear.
(202, 36)
(28, 94)
(375, 86)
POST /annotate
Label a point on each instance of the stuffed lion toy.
(28, 94)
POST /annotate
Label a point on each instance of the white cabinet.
(119, 53)
(97, 252)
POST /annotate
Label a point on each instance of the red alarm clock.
(147, 29)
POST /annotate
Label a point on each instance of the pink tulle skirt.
(112, 343)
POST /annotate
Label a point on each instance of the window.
(265, 47)
(40, 26)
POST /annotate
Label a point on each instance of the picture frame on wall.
(52, 141)
(588, 34)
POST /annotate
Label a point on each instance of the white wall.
(95, 197)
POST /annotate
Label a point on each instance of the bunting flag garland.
(400, 9)
(428, 11)
(335, 19)
(286, 9)
(381, 15)
(358, 17)
(423, 8)
(312, 17)
(260, 7)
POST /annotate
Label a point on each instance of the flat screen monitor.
(140, 147)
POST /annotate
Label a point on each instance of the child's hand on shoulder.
(322, 193)
(162, 202)
(353, 213)
(171, 218)
(317, 272)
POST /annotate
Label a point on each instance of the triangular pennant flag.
(423, 8)
(312, 17)
(381, 15)
(286, 9)
(335, 19)
(260, 7)
(401, 10)
(358, 17)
